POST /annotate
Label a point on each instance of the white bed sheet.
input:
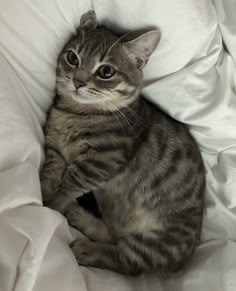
(191, 75)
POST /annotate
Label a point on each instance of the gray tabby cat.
(144, 168)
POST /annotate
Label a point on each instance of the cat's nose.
(78, 83)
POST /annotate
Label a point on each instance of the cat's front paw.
(83, 252)
(47, 189)
(50, 204)
(76, 216)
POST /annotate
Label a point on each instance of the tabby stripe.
(162, 143)
(176, 156)
(137, 184)
(162, 178)
(166, 158)
(158, 245)
(84, 183)
(125, 92)
(101, 165)
(131, 256)
(111, 147)
(69, 112)
(50, 163)
(179, 238)
(89, 183)
(127, 78)
(139, 251)
(193, 211)
(109, 132)
(191, 223)
(189, 175)
(84, 114)
(55, 150)
(97, 49)
(168, 237)
(89, 172)
(94, 175)
(178, 243)
(187, 192)
(179, 231)
(201, 190)
(74, 181)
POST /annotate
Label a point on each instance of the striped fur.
(144, 168)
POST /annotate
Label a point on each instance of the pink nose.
(78, 83)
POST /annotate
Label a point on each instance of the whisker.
(63, 76)
(138, 118)
(118, 112)
(127, 120)
(123, 116)
(113, 112)
(63, 79)
(117, 118)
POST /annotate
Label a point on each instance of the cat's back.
(167, 136)
(174, 155)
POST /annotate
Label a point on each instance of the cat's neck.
(70, 106)
(133, 118)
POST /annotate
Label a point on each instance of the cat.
(143, 167)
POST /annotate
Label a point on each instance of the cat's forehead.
(93, 44)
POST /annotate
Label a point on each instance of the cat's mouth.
(84, 96)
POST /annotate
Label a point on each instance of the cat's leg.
(69, 190)
(113, 257)
(62, 200)
(81, 177)
(94, 228)
(51, 173)
(96, 254)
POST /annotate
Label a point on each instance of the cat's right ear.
(88, 21)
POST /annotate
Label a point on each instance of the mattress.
(191, 75)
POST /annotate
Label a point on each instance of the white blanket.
(191, 75)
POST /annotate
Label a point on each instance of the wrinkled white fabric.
(191, 75)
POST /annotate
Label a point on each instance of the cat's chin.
(84, 99)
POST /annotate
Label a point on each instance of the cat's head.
(99, 68)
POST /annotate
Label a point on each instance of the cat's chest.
(68, 135)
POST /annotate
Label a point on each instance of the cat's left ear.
(88, 21)
(141, 48)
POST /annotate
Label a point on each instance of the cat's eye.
(72, 58)
(106, 71)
